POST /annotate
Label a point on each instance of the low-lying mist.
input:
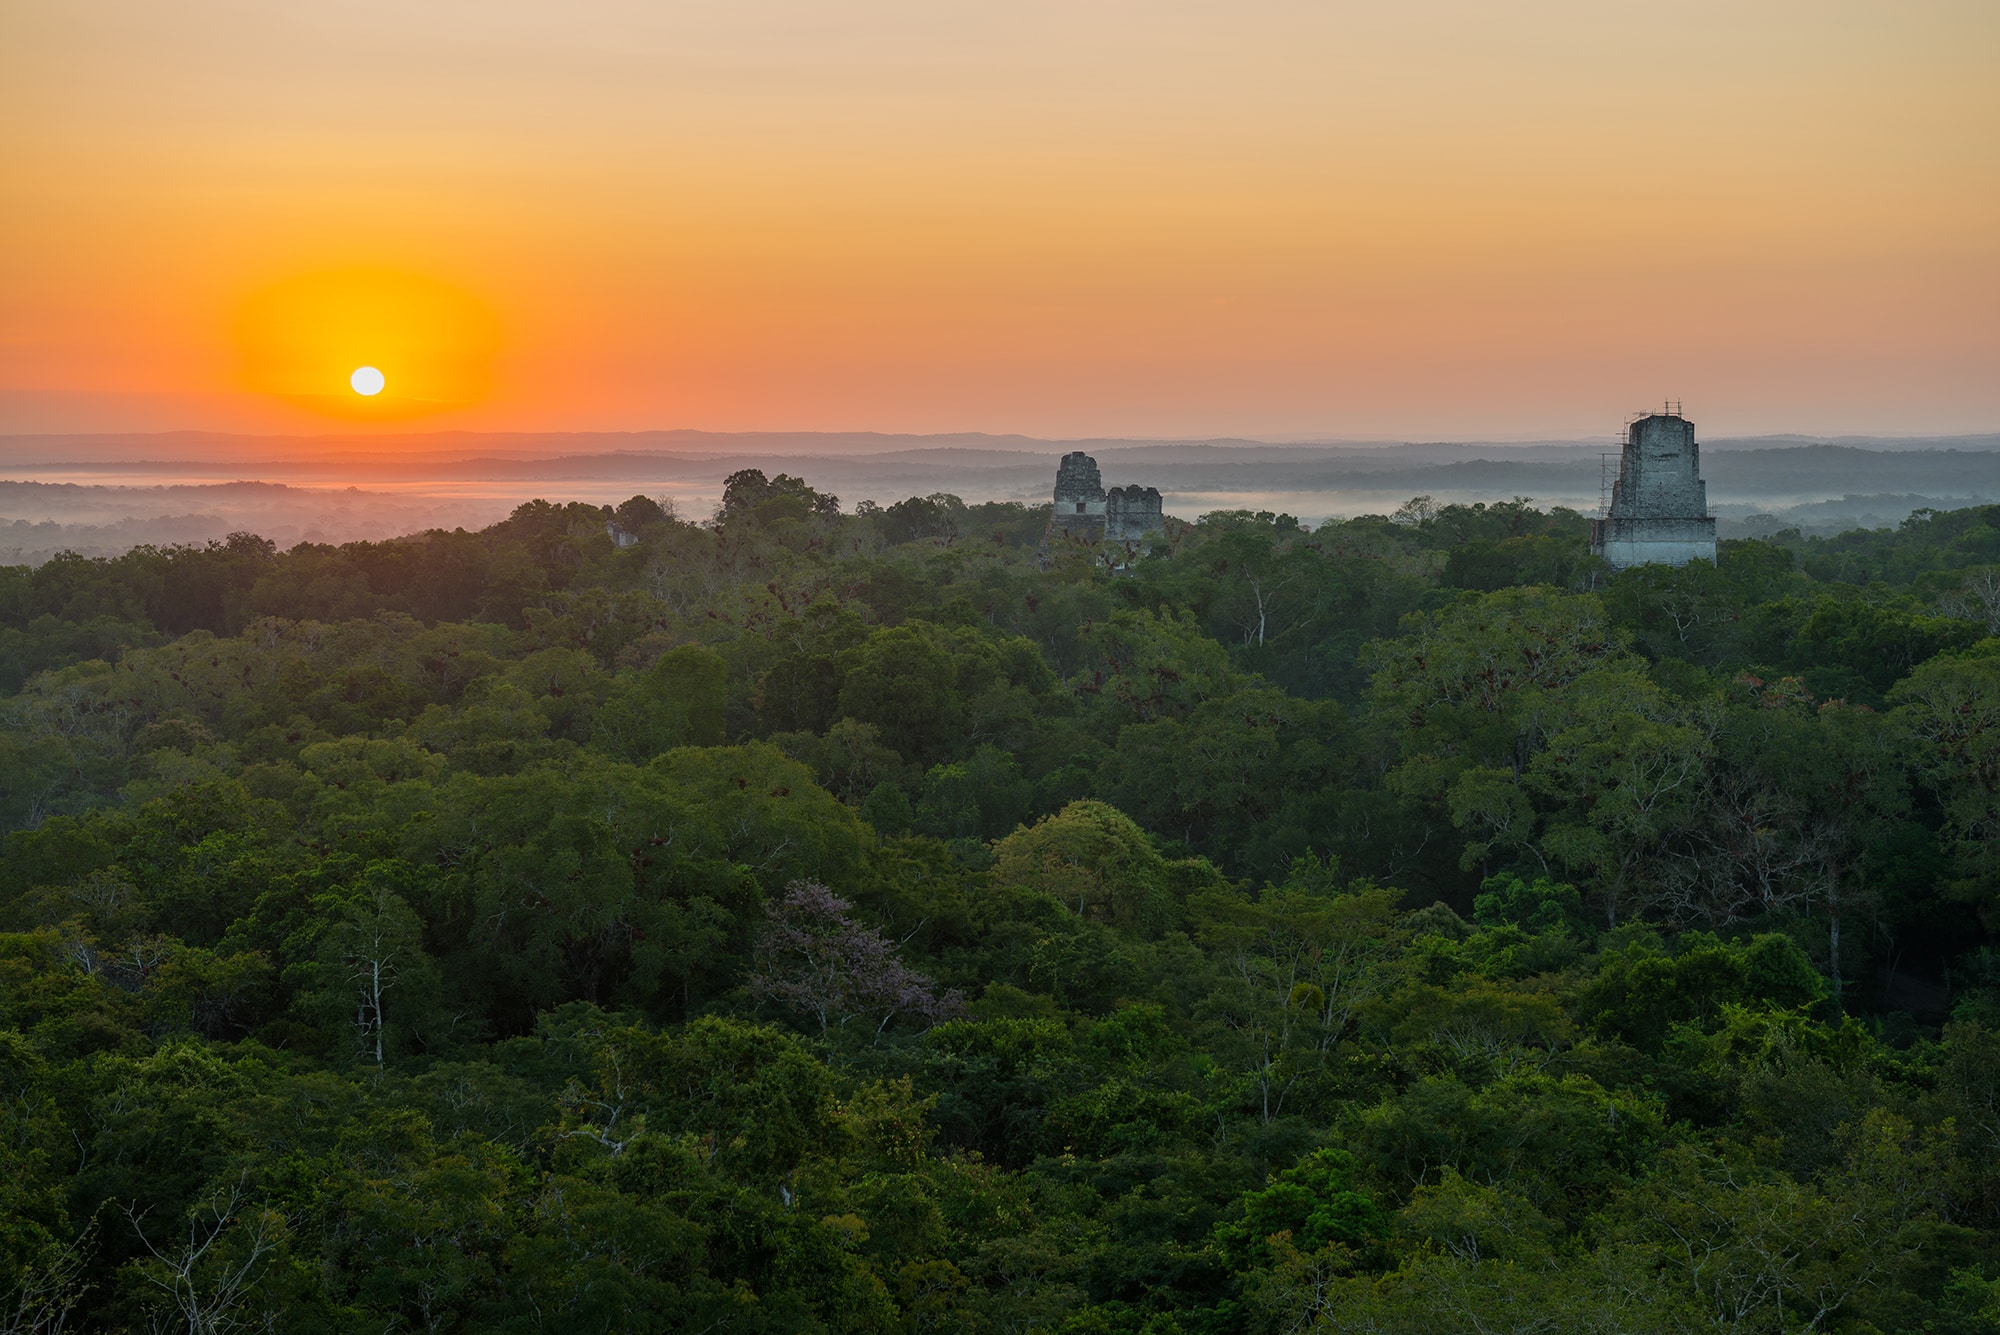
(99, 496)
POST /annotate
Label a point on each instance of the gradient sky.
(1280, 218)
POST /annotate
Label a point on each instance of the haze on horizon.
(1267, 219)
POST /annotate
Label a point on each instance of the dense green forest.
(802, 920)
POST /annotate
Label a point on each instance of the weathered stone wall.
(1638, 542)
(1080, 501)
(1132, 512)
(1659, 472)
(1083, 509)
(1659, 505)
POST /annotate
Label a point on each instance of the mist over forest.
(102, 495)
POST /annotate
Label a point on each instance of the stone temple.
(1658, 513)
(1085, 510)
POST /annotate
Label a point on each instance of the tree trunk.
(375, 1006)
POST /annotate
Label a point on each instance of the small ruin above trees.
(1656, 510)
(1083, 509)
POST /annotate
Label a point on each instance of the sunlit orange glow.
(303, 338)
(1269, 217)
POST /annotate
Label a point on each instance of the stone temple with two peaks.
(1658, 510)
(1084, 509)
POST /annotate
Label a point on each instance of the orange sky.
(1427, 218)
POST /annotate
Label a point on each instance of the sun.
(322, 339)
